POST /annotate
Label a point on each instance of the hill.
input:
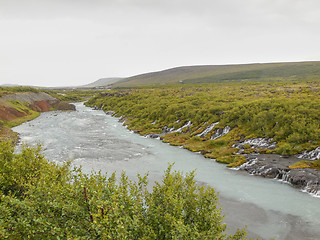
(227, 73)
(102, 82)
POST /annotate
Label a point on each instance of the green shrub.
(42, 200)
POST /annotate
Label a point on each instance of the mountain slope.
(102, 82)
(223, 73)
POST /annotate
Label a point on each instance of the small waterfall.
(166, 129)
(207, 130)
(264, 143)
(218, 133)
(283, 175)
(247, 164)
(311, 155)
(188, 124)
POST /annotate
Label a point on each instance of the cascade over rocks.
(277, 167)
(263, 143)
(207, 130)
(311, 155)
(187, 125)
(218, 133)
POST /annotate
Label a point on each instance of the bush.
(42, 200)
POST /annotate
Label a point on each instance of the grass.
(306, 164)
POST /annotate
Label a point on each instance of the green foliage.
(42, 200)
(306, 164)
(9, 90)
(232, 160)
(286, 111)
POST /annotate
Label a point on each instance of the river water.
(96, 141)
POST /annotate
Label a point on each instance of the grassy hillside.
(227, 73)
(285, 113)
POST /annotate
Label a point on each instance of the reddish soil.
(40, 106)
(9, 114)
(39, 102)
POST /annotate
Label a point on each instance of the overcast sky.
(74, 42)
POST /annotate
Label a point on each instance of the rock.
(275, 166)
(109, 112)
(154, 135)
(263, 143)
(63, 106)
(311, 155)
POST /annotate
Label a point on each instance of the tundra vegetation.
(43, 200)
(285, 112)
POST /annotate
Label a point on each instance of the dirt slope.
(20, 107)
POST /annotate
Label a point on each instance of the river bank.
(277, 167)
(98, 142)
(16, 108)
(272, 166)
(229, 123)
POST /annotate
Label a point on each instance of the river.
(96, 141)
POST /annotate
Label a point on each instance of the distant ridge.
(102, 82)
(227, 73)
(10, 85)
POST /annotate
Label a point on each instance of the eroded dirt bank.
(20, 107)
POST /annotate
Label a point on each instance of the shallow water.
(96, 141)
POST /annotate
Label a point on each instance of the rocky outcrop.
(109, 112)
(311, 155)
(277, 167)
(63, 106)
(262, 143)
(154, 135)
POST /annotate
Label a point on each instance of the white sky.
(75, 42)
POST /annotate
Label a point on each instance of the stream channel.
(96, 141)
